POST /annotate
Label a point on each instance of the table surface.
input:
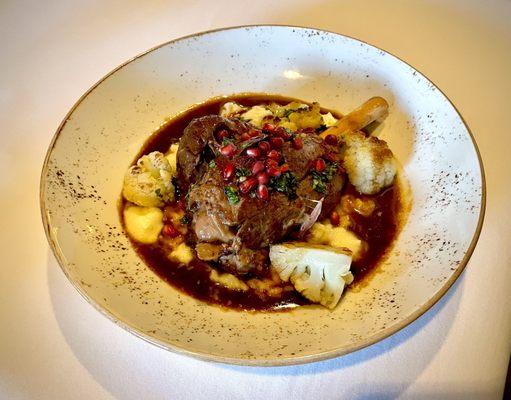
(55, 345)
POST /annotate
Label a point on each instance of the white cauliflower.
(319, 273)
(149, 182)
(256, 114)
(143, 224)
(231, 108)
(329, 120)
(369, 163)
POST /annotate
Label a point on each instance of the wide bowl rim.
(266, 362)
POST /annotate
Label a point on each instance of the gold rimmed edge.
(263, 362)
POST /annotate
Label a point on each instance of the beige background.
(54, 345)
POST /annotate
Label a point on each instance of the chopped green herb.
(252, 141)
(185, 220)
(242, 172)
(330, 170)
(232, 194)
(159, 194)
(287, 113)
(212, 164)
(285, 183)
(227, 140)
(320, 180)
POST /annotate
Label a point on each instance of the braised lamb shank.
(247, 188)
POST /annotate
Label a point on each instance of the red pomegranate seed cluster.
(266, 153)
(267, 156)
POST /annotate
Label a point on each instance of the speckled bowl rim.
(261, 362)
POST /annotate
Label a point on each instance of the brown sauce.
(378, 230)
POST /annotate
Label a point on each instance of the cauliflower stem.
(319, 273)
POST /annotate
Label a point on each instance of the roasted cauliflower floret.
(231, 108)
(256, 115)
(319, 273)
(149, 182)
(369, 163)
(329, 120)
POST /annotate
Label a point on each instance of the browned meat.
(298, 161)
(198, 141)
(246, 224)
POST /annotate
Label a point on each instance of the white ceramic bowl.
(83, 173)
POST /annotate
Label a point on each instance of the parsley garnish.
(287, 113)
(242, 172)
(320, 180)
(185, 220)
(285, 183)
(232, 194)
(212, 164)
(227, 140)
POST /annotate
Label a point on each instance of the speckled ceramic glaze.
(84, 168)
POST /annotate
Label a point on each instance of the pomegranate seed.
(170, 231)
(274, 171)
(248, 185)
(253, 133)
(244, 136)
(228, 171)
(297, 143)
(320, 165)
(222, 134)
(281, 132)
(277, 142)
(253, 152)
(264, 146)
(268, 127)
(257, 167)
(307, 130)
(228, 150)
(335, 219)
(331, 139)
(263, 178)
(284, 168)
(274, 155)
(262, 192)
(271, 163)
